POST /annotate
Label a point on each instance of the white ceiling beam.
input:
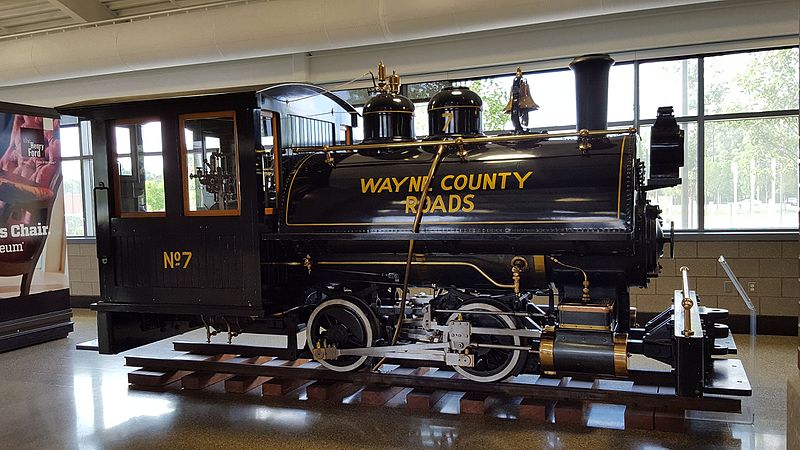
(84, 10)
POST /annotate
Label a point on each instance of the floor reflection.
(57, 397)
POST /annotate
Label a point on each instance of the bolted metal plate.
(728, 378)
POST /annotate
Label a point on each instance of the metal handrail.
(585, 134)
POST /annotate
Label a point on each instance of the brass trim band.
(538, 263)
(572, 326)
(546, 353)
(384, 112)
(454, 107)
(621, 354)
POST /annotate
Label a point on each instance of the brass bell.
(520, 103)
(526, 103)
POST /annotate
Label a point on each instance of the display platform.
(35, 318)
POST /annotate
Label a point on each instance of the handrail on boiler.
(584, 134)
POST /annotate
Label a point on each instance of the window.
(751, 173)
(739, 112)
(76, 167)
(210, 170)
(747, 111)
(139, 168)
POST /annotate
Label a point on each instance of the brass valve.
(518, 265)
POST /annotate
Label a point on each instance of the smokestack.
(591, 90)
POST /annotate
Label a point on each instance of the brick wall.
(772, 265)
(82, 269)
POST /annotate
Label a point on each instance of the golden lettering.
(460, 182)
(454, 203)
(477, 177)
(399, 183)
(444, 180)
(386, 185)
(369, 185)
(522, 179)
(438, 204)
(503, 176)
(468, 205)
(489, 181)
(416, 184)
(411, 204)
(448, 118)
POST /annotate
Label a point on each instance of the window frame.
(115, 174)
(276, 151)
(699, 119)
(84, 157)
(185, 170)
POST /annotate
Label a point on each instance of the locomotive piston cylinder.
(581, 351)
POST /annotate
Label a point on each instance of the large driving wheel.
(491, 364)
(341, 323)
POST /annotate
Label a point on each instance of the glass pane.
(211, 160)
(88, 197)
(678, 203)
(554, 92)
(757, 81)
(151, 137)
(668, 83)
(354, 96)
(122, 140)
(73, 197)
(141, 170)
(495, 93)
(70, 141)
(421, 119)
(267, 136)
(620, 93)
(358, 131)
(86, 138)
(124, 165)
(424, 91)
(751, 173)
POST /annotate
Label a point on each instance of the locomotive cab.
(185, 185)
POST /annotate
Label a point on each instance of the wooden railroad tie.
(532, 398)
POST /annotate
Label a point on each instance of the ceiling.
(26, 16)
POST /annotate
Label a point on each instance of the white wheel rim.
(515, 355)
(364, 321)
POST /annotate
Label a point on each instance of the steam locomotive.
(274, 222)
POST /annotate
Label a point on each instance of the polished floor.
(53, 396)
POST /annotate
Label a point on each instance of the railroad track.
(650, 402)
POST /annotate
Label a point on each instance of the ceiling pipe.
(277, 27)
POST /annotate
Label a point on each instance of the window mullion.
(701, 196)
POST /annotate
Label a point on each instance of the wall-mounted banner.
(32, 235)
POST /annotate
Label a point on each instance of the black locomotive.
(274, 222)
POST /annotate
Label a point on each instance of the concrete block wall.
(771, 265)
(84, 277)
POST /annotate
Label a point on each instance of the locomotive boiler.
(522, 247)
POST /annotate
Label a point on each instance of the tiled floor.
(54, 396)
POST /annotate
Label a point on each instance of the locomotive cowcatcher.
(252, 211)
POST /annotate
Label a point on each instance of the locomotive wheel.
(491, 364)
(342, 323)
